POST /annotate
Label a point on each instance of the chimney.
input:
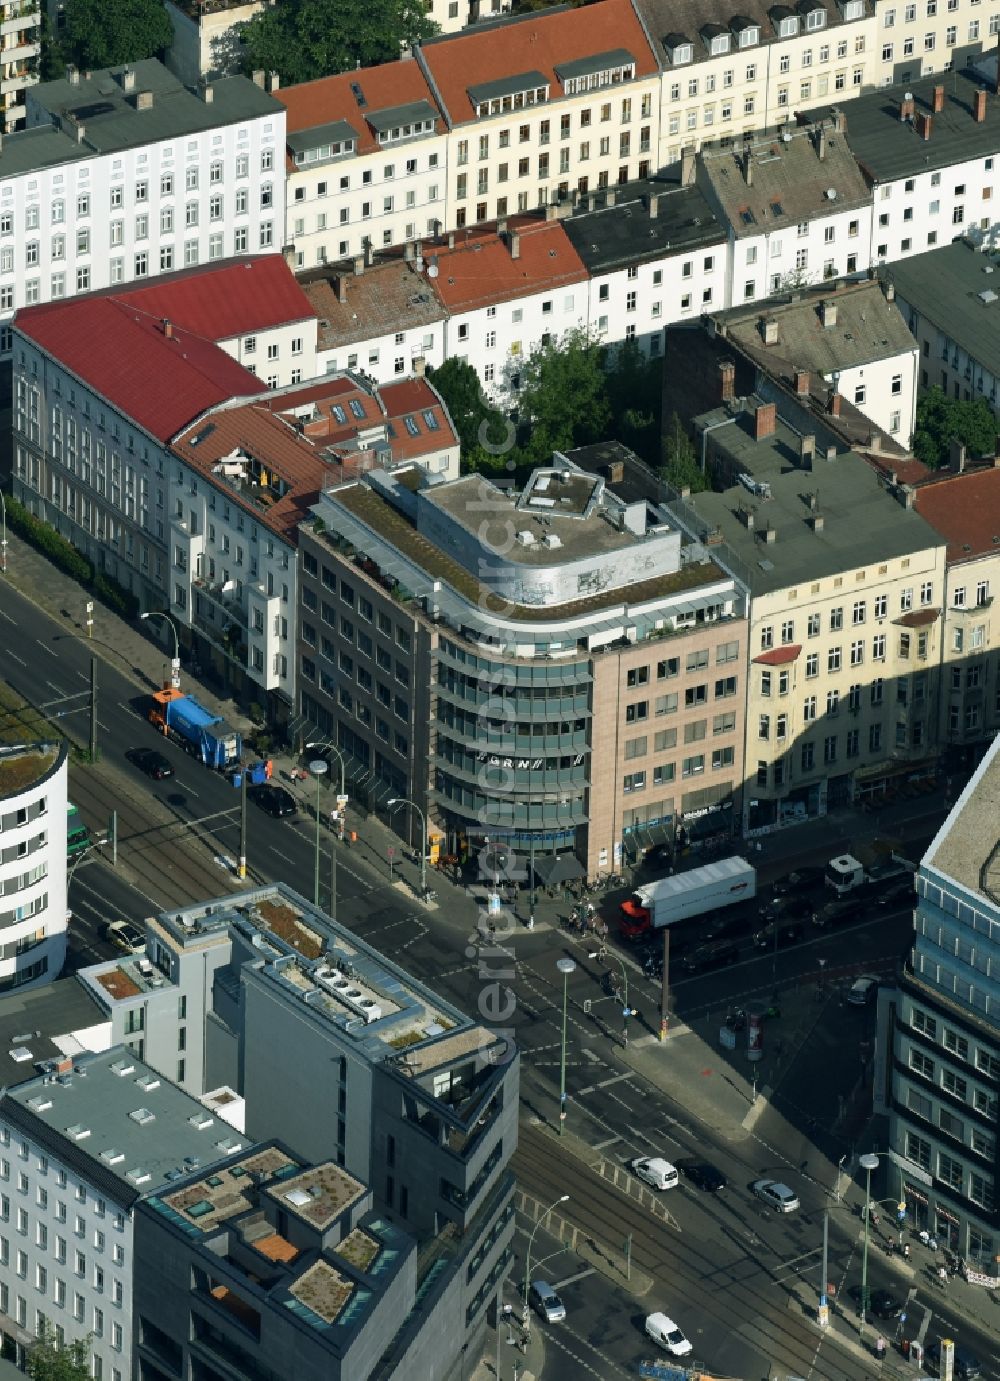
(979, 107)
(807, 449)
(359, 265)
(128, 79)
(747, 518)
(341, 281)
(551, 211)
(258, 77)
(907, 106)
(168, 328)
(275, 81)
(765, 421)
(451, 239)
(821, 143)
(409, 251)
(839, 118)
(835, 401)
(956, 455)
(889, 288)
(816, 522)
(802, 383)
(831, 453)
(909, 495)
(748, 168)
(770, 535)
(828, 313)
(654, 206)
(81, 133)
(502, 226)
(207, 92)
(925, 123)
(727, 380)
(609, 196)
(288, 254)
(769, 330)
(72, 74)
(144, 100)
(64, 1065)
(369, 253)
(689, 166)
(591, 201)
(938, 103)
(420, 365)
(514, 244)
(616, 471)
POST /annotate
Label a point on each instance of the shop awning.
(552, 869)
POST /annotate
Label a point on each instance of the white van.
(546, 1302)
(655, 1171)
(664, 1331)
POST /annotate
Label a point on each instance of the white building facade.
(33, 813)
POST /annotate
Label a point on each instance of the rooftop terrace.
(967, 846)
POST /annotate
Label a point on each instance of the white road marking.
(571, 1280)
(184, 787)
(129, 710)
(15, 658)
(608, 1141)
(58, 689)
(45, 647)
(5, 615)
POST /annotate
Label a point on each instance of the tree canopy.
(109, 33)
(679, 465)
(49, 1360)
(941, 419)
(563, 400)
(305, 39)
(485, 437)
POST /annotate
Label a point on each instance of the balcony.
(226, 598)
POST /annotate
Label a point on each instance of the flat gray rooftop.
(30, 150)
(963, 847)
(957, 288)
(610, 237)
(867, 328)
(119, 1124)
(889, 148)
(862, 523)
(37, 1026)
(110, 116)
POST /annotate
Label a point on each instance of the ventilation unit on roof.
(831, 194)
(552, 541)
(525, 538)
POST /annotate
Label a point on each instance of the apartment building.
(796, 207)
(125, 175)
(20, 46)
(103, 383)
(916, 38)
(82, 1141)
(240, 480)
(655, 254)
(728, 73)
(554, 668)
(385, 319)
(853, 339)
(961, 506)
(929, 154)
(939, 1058)
(345, 1057)
(845, 582)
(207, 42)
(948, 296)
(366, 161)
(534, 112)
(33, 781)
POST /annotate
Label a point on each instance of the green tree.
(564, 395)
(635, 396)
(680, 466)
(50, 1360)
(941, 419)
(305, 39)
(51, 62)
(107, 33)
(483, 432)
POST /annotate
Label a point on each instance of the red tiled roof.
(918, 618)
(124, 355)
(328, 99)
(481, 269)
(779, 656)
(965, 510)
(535, 43)
(220, 301)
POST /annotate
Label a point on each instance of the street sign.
(391, 851)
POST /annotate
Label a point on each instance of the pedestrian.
(906, 1251)
(880, 1346)
(943, 1277)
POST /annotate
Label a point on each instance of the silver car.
(776, 1195)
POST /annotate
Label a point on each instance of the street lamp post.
(868, 1163)
(405, 801)
(525, 1315)
(341, 815)
(318, 768)
(175, 665)
(565, 967)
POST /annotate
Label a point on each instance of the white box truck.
(678, 898)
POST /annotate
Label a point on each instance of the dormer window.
(853, 9)
(322, 144)
(399, 123)
(594, 73)
(747, 31)
(678, 48)
(813, 13)
(516, 92)
(786, 23)
(717, 39)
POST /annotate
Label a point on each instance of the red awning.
(779, 656)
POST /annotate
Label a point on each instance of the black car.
(706, 957)
(802, 880)
(882, 1304)
(274, 800)
(778, 934)
(967, 1367)
(702, 1175)
(839, 912)
(151, 762)
(796, 906)
(898, 894)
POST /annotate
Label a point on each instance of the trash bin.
(904, 1347)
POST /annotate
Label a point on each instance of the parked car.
(799, 906)
(863, 990)
(898, 894)
(126, 935)
(151, 762)
(776, 1195)
(967, 1366)
(546, 1302)
(662, 1329)
(840, 912)
(655, 1171)
(702, 1175)
(786, 935)
(274, 800)
(802, 880)
(882, 1304)
(714, 956)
